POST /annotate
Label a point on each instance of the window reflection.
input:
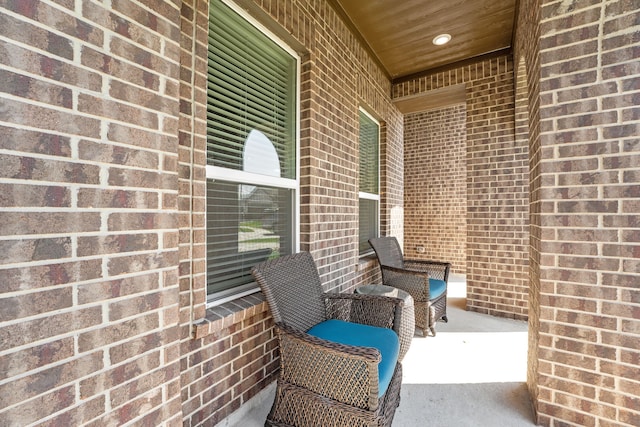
(259, 155)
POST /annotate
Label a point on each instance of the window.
(252, 178)
(369, 182)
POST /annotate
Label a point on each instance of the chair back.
(291, 285)
(388, 251)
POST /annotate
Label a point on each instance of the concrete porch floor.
(471, 374)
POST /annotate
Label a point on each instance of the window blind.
(246, 225)
(251, 85)
(251, 132)
(368, 140)
(369, 136)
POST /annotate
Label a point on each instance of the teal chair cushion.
(383, 339)
(436, 288)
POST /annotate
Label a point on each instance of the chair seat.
(384, 340)
(436, 288)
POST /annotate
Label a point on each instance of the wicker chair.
(426, 281)
(325, 382)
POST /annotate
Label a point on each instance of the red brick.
(55, 18)
(587, 405)
(103, 381)
(104, 290)
(140, 304)
(33, 89)
(98, 106)
(140, 221)
(41, 382)
(35, 303)
(140, 178)
(48, 170)
(134, 346)
(19, 223)
(629, 416)
(78, 415)
(118, 154)
(36, 37)
(115, 332)
(19, 195)
(23, 114)
(562, 385)
(29, 331)
(36, 357)
(16, 251)
(40, 407)
(560, 414)
(29, 141)
(118, 68)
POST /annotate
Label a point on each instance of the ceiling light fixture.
(441, 39)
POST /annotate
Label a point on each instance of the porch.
(473, 373)
(519, 165)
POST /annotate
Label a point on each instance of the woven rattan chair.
(328, 379)
(426, 281)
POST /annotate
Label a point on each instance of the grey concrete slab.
(471, 374)
(464, 405)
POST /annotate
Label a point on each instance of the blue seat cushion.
(436, 288)
(383, 339)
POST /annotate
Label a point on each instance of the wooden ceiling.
(400, 32)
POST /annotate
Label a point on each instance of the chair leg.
(445, 319)
(432, 319)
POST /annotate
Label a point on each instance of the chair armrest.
(373, 310)
(344, 373)
(436, 269)
(416, 283)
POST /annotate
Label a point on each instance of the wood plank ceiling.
(400, 32)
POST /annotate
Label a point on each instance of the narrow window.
(252, 178)
(369, 141)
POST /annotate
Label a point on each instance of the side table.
(407, 325)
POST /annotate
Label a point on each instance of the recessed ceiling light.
(441, 39)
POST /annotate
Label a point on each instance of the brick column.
(589, 214)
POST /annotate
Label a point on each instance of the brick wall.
(88, 187)
(436, 185)
(497, 241)
(103, 316)
(329, 164)
(526, 49)
(588, 196)
(234, 354)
